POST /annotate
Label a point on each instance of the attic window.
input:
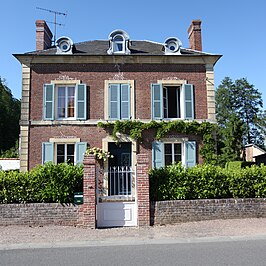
(119, 41)
(172, 46)
(118, 44)
(64, 45)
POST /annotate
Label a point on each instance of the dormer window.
(119, 41)
(172, 46)
(64, 45)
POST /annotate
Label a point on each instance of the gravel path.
(17, 235)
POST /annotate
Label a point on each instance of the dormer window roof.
(118, 42)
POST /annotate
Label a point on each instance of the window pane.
(70, 153)
(60, 149)
(61, 92)
(70, 149)
(177, 148)
(178, 158)
(71, 91)
(118, 38)
(168, 159)
(168, 148)
(70, 159)
(60, 153)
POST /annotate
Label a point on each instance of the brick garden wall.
(162, 212)
(169, 212)
(39, 214)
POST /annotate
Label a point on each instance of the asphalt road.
(213, 252)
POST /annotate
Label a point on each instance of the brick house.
(67, 88)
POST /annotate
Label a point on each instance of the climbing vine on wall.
(134, 129)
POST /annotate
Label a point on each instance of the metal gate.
(116, 201)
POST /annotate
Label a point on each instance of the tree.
(9, 118)
(239, 116)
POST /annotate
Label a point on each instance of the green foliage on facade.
(175, 182)
(135, 129)
(45, 183)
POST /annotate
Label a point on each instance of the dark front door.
(120, 170)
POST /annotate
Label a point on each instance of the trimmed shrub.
(45, 183)
(207, 182)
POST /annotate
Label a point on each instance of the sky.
(235, 29)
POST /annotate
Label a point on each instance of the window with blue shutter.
(80, 151)
(119, 101)
(172, 101)
(188, 101)
(65, 102)
(157, 101)
(190, 153)
(49, 102)
(157, 154)
(81, 101)
(47, 152)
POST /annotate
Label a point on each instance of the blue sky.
(235, 29)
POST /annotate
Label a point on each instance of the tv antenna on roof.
(54, 22)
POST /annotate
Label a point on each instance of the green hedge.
(45, 183)
(207, 182)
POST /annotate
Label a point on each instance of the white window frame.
(176, 83)
(107, 96)
(173, 151)
(66, 101)
(65, 152)
(173, 141)
(179, 99)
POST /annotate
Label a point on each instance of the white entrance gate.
(118, 207)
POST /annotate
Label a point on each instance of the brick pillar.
(143, 195)
(89, 192)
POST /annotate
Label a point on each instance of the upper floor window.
(119, 100)
(64, 101)
(119, 41)
(172, 101)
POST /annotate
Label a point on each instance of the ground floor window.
(172, 153)
(65, 153)
(167, 152)
(60, 151)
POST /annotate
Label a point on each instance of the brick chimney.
(43, 35)
(194, 35)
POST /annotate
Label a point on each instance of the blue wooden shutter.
(48, 102)
(157, 101)
(47, 152)
(81, 101)
(125, 101)
(157, 154)
(114, 101)
(190, 153)
(189, 101)
(80, 151)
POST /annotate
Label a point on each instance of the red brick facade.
(94, 75)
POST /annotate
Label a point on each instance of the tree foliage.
(240, 117)
(9, 118)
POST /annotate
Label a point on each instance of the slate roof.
(100, 47)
